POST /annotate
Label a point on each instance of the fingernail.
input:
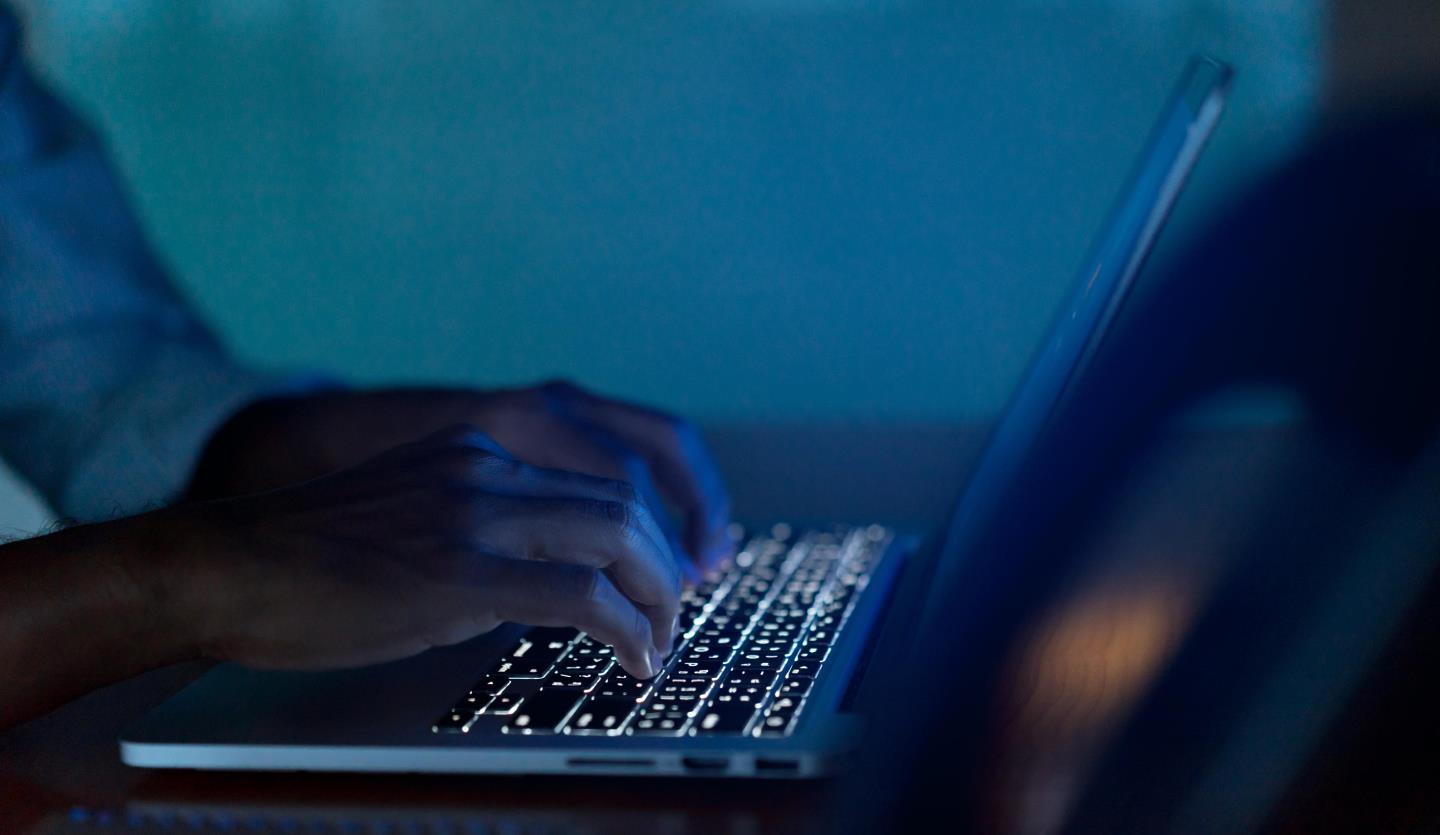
(655, 662)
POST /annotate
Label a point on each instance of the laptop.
(769, 678)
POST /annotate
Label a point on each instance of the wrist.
(165, 573)
(91, 605)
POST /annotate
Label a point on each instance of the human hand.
(556, 425)
(428, 544)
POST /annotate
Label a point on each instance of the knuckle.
(504, 467)
(623, 492)
(467, 464)
(459, 434)
(619, 514)
(462, 464)
(588, 585)
(607, 513)
(611, 512)
(469, 437)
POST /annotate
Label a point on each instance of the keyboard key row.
(767, 690)
(752, 644)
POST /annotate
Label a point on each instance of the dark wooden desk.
(906, 476)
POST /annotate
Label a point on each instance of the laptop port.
(767, 765)
(608, 762)
(706, 765)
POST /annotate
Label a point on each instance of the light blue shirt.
(109, 385)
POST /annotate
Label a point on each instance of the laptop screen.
(1100, 287)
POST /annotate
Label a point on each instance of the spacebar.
(543, 712)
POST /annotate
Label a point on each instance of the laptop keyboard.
(754, 641)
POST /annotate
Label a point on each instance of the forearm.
(89, 606)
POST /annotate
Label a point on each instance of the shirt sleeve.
(110, 386)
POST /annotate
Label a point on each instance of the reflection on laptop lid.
(958, 563)
(1100, 288)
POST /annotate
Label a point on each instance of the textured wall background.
(746, 210)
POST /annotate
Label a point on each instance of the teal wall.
(754, 209)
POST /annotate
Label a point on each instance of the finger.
(575, 446)
(634, 469)
(507, 477)
(469, 459)
(677, 456)
(561, 445)
(605, 535)
(449, 456)
(557, 594)
(460, 436)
